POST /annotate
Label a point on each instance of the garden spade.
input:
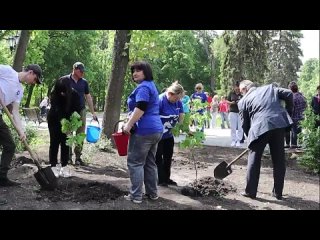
(44, 176)
(224, 169)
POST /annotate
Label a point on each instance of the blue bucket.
(93, 133)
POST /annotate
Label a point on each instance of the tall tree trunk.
(21, 51)
(115, 88)
(212, 79)
(30, 91)
(20, 56)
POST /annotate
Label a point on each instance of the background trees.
(189, 56)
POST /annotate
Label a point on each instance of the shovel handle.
(24, 141)
(115, 125)
(238, 157)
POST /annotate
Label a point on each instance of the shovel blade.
(46, 178)
(222, 170)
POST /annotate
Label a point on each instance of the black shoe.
(163, 184)
(286, 146)
(277, 196)
(248, 195)
(171, 182)
(152, 197)
(3, 201)
(79, 162)
(8, 183)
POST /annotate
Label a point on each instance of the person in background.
(82, 87)
(214, 109)
(11, 93)
(144, 118)
(224, 111)
(234, 118)
(315, 104)
(299, 105)
(64, 101)
(43, 106)
(186, 103)
(171, 112)
(264, 121)
(199, 94)
(209, 100)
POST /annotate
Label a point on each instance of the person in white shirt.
(11, 93)
(44, 106)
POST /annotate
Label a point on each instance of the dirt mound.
(74, 190)
(208, 186)
(188, 163)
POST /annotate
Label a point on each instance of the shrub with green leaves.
(69, 127)
(310, 138)
(31, 133)
(193, 139)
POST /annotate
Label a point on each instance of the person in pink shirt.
(224, 111)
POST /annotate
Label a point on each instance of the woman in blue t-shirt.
(171, 111)
(145, 127)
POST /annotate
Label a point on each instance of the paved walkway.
(214, 137)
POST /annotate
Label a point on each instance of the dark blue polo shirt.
(82, 88)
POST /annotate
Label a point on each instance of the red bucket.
(121, 140)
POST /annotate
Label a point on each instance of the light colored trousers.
(236, 128)
(213, 119)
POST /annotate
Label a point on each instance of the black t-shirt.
(234, 97)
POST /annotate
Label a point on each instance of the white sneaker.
(233, 143)
(238, 144)
(130, 198)
(65, 172)
(56, 171)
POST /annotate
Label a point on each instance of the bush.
(31, 133)
(310, 138)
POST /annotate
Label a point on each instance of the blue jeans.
(141, 163)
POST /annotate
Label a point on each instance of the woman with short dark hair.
(145, 127)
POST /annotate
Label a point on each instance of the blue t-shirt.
(186, 103)
(169, 114)
(202, 96)
(82, 87)
(150, 122)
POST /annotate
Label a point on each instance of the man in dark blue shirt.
(82, 87)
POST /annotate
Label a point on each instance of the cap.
(37, 70)
(80, 66)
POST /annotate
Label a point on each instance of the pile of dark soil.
(73, 189)
(189, 163)
(208, 186)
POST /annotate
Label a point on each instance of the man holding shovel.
(11, 93)
(264, 121)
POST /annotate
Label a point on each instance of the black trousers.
(57, 138)
(164, 159)
(275, 139)
(8, 148)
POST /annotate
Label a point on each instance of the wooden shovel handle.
(238, 157)
(24, 141)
